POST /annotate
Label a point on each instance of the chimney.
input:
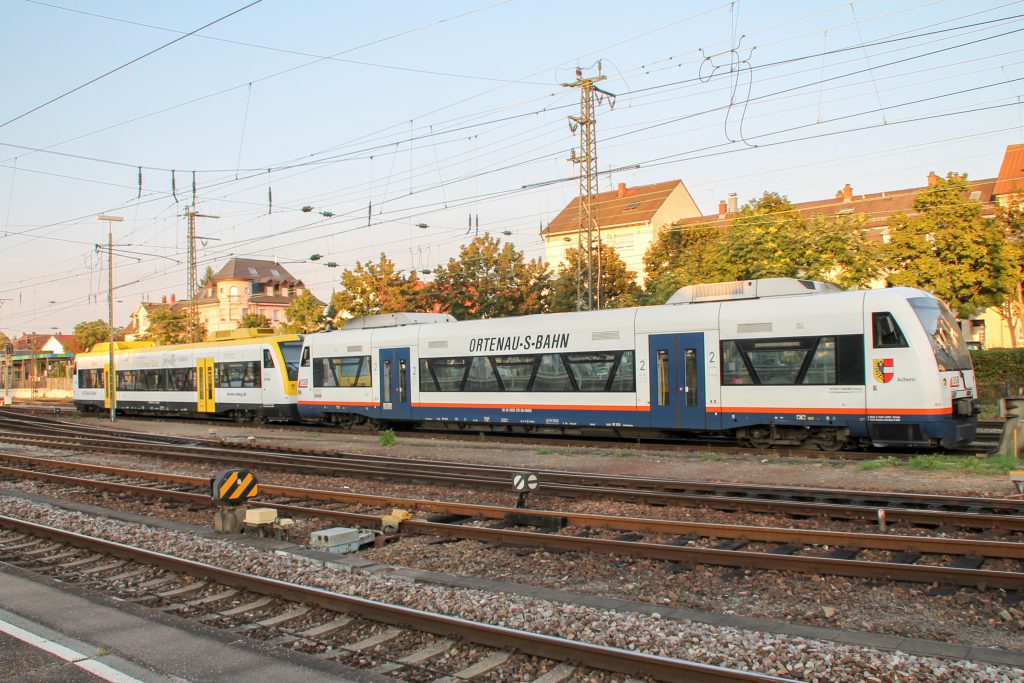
(722, 209)
(847, 193)
(933, 179)
(732, 202)
(173, 298)
(839, 194)
(622, 189)
(163, 299)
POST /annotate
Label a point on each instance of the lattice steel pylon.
(192, 315)
(588, 235)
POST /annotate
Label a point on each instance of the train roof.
(148, 347)
(750, 289)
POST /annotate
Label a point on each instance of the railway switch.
(389, 523)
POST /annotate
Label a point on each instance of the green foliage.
(386, 437)
(305, 314)
(90, 333)
(254, 320)
(770, 239)
(4, 341)
(207, 276)
(1000, 464)
(999, 365)
(681, 256)
(949, 249)
(168, 327)
(489, 280)
(762, 241)
(376, 288)
(878, 463)
(618, 283)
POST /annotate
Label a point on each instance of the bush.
(999, 365)
(386, 437)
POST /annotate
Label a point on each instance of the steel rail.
(423, 469)
(1007, 521)
(537, 644)
(980, 578)
(922, 544)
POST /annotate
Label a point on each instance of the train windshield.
(947, 343)
(291, 350)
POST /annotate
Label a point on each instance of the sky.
(382, 118)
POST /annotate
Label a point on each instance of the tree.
(489, 280)
(1011, 217)
(680, 256)
(254, 320)
(836, 249)
(167, 326)
(618, 283)
(949, 249)
(207, 276)
(4, 341)
(305, 314)
(376, 288)
(765, 240)
(91, 333)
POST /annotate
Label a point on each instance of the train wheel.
(760, 438)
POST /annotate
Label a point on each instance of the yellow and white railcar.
(245, 374)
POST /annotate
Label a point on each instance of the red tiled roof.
(1011, 173)
(636, 205)
(878, 207)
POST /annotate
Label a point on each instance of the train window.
(734, 365)
(776, 361)
(90, 379)
(349, 371)
(887, 333)
(386, 383)
(403, 372)
(624, 378)
(822, 369)
(663, 396)
(126, 380)
(445, 374)
(552, 375)
(268, 359)
(305, 357)
(290, 350)
(690, 380)
(515, 372)
(238, 375)
(183, 379)
(592, 371)
(850, 359)
(481, 376)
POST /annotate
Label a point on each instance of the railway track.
(392, 640)
(987, 440)
(966, 562)
(912, 508)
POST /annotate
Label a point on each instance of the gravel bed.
(799, 658)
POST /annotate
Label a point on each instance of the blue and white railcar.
(776, 361)
(245, 374)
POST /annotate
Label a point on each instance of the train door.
(205, 386)
(270, 384)
(107, 386)
(394, 384)
(677, 381)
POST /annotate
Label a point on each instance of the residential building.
(987, 326)
(246, 286)
(628, 219)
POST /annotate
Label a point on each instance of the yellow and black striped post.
(234, 486)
